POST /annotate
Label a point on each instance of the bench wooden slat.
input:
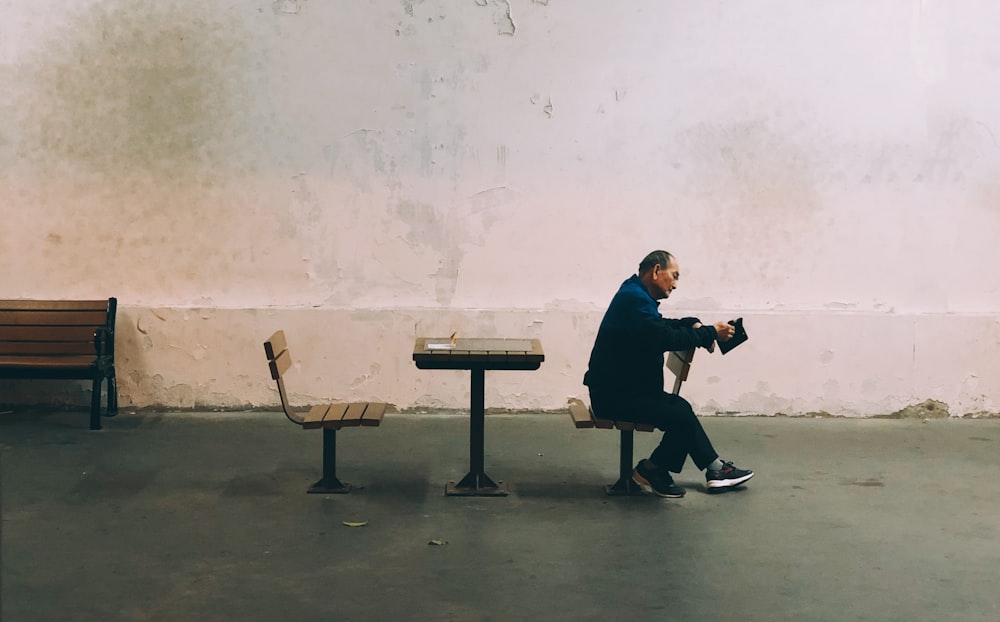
(580, 414)
(47, 333)
(48, 362)
(54, 305)
(624, 425)
(46, 348)
(373, 414)
(314, 418)
(53, 318)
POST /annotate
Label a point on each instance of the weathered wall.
(359, 173)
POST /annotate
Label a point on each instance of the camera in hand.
(738, 337)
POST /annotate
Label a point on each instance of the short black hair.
(656, 258)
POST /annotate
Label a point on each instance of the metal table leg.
(477, 483)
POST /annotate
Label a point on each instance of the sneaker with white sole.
(726, 477)
(657, 480)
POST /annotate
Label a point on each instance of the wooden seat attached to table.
(679, 363)
(326, 417)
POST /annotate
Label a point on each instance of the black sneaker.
(728, 476)
(659, 481)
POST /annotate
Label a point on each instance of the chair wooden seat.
(679, 364)
(584, 417)
(337, 416)
(326, 417)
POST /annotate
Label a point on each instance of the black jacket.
(627, 358)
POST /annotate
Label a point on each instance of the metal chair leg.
(329, 484)
(625, 486)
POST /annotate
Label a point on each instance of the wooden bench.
(62, 339)
(679, 363)
(326, 417)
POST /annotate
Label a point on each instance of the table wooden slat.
(497, 353)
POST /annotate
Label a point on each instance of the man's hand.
(724, 331)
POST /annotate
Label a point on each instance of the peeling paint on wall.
(547, 108)
(501, 16)
(288, 7)
(408, 6)
(928, 409)
(235, 155)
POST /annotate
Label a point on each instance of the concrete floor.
(204, 516)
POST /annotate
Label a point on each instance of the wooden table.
(477, 355)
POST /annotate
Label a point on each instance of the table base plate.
(625, 487)
(336, 487)
(476, 485)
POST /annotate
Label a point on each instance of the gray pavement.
(204, 516)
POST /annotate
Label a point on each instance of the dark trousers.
(683, 435)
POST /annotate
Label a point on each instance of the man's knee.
(677, 409)
(677, 402)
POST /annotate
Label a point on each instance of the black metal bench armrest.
(104, 341)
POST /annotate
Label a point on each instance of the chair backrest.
(280, 360)
(679, 363)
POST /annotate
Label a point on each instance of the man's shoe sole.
(642, 481)
(727, 483)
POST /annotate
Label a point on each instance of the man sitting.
(625, 377)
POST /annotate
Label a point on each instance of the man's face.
(664, 280)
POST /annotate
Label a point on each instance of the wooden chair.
(326, 417)
(679, 363)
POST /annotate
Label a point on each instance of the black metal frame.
(329, 484)
(276, 349)
(625, 486)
